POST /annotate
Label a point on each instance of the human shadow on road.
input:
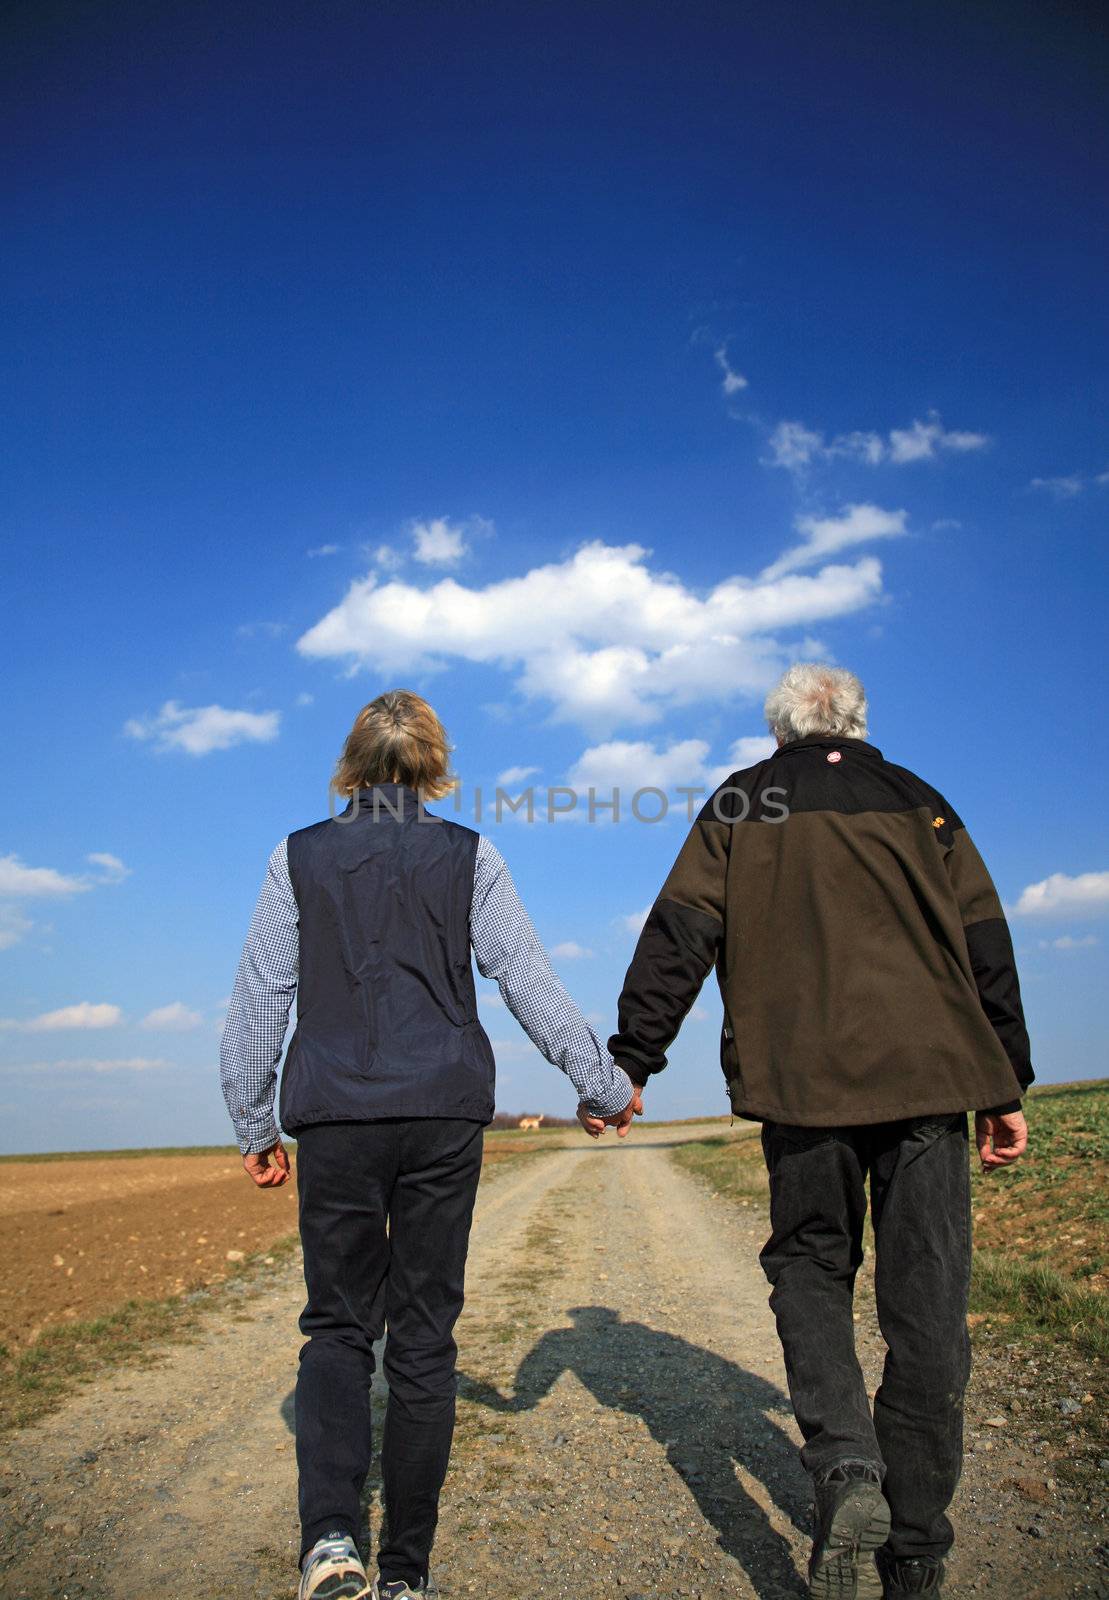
(708, 1414)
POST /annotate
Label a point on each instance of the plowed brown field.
(80, 1236)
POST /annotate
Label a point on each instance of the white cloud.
(570, 950)
(601, 635)
(1068, 942)
(24, 882)
(323, 550)
(795, 446)
(111, 867)
(1065, 487)
(633, 921)
(83, 1015)
(387, 557)
(305, 699)
(198, 730)
(174, 1018)
(13, 926)
(823, 536)
(438, 543)
(1064, 896)
(732, 381)
(1102, 478)
(631, 764)
(753, 748)
(514, 775)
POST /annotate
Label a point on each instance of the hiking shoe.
(852, 1522)
(916, 1575)
(333, 1570)
(397, 1589)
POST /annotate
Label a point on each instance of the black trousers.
(385, 1211)
(920, 1206)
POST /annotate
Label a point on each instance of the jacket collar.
(829, 741)
(385, 800)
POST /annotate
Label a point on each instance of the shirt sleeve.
(258, 1014)
(508, 950)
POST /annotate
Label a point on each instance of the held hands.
(622, 1121)
(1001, 1140)
(268, 1168)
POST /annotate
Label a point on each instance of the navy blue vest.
(387, 1021)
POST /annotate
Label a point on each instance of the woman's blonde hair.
(397, 738)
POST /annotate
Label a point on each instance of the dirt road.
(622, 1426)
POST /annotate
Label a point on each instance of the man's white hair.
(814, 698)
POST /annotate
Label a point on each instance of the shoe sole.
(844, 1568)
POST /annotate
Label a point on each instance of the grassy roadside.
(1038, 1309)
(1041, 1260)
(36, 1380)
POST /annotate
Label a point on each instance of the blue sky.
(578, 366)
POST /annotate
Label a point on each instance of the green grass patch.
(731, 1164)
(1034, 1299)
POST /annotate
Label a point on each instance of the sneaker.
(916, 1575)
(397, 1589)
(852, 1522)
(333, 1570)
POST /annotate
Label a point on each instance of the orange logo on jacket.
(939, 822)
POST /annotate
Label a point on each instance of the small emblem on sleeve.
(835, 755)
(938, 822)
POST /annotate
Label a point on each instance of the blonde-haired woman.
(370, 918)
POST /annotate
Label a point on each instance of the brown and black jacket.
(863, 957)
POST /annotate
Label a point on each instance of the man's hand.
(595, 1126)
(1001, 1140)
(269, 1168)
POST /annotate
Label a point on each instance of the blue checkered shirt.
(505, 947)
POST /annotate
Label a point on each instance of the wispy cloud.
(1069, 942)
(198, 730)
(570, 950)
(1067, 486)
(822, 537)
(90, 1064)
(514, 775)
(13, 926)
(260, 630)
(83, 1015)
(174, 1018)
(632, 921)
(323, 550)
(1060, 895)
(602, 636)
(732, 381)
(112, 869)
(795, 446)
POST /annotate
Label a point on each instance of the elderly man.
(870, 1002)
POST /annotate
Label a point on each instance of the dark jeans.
(920, 1206)
(385, 1212)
